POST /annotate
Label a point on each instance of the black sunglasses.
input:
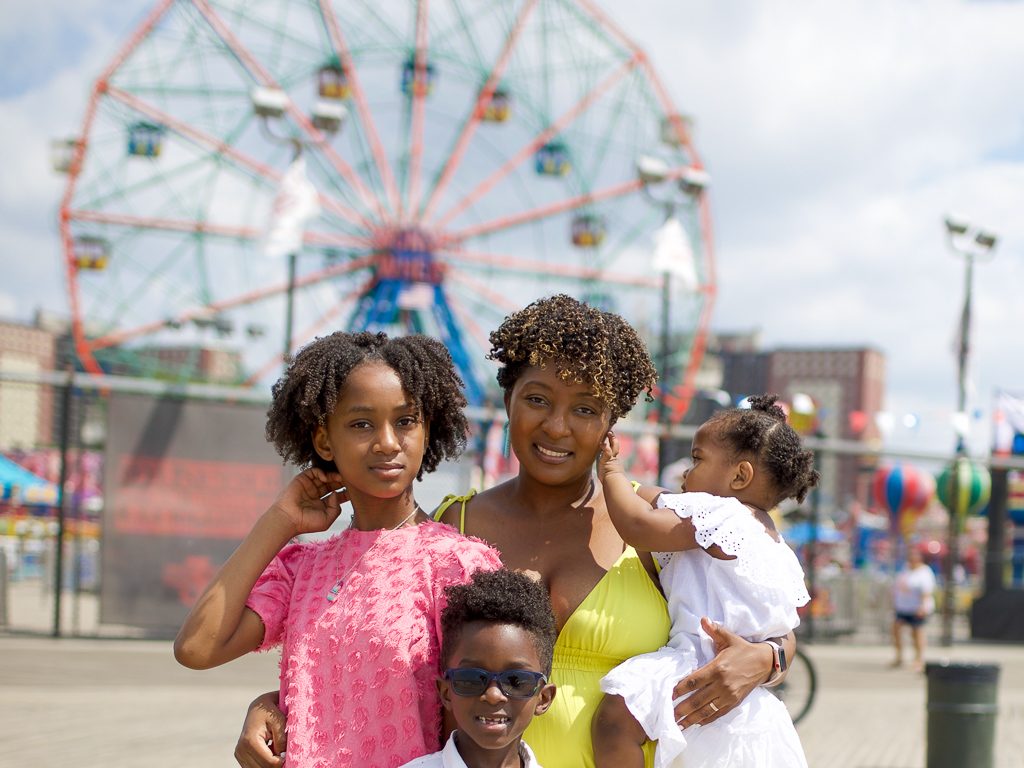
(514, 683)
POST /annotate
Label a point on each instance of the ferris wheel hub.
(406, 254)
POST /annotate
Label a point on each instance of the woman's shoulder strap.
(450, 499)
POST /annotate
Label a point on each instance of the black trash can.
(962, 715)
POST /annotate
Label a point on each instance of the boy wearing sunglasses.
(497, 638)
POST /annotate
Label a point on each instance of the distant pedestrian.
(358, 614)
(913, 598)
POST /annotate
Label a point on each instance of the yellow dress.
(624, 615)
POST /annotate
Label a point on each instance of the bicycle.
(798, 689)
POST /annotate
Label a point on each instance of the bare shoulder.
(474, 513)
(492, 500)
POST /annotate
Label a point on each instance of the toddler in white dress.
(721, 558)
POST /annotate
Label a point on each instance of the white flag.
(296, 203)
(673, 253)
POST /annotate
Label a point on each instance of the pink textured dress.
(358, 673)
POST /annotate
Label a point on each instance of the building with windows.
(26, 409)
(847, 386)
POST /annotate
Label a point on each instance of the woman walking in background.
(913, 601)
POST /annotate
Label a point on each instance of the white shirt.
(912, 590)
(449, 757)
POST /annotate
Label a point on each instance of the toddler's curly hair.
(503, 596)
(306, 395)
(762, 433)
(584, 344)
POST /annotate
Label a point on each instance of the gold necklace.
(332, 593)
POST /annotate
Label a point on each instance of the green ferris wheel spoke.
(613, 128)
(467, 35)
(383, 24)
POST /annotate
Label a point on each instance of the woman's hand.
(263, 740)
(311, 502)
(717, 687)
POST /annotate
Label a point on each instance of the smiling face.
(375, 436)
(713, 469)
(492, 723)
(555, 428)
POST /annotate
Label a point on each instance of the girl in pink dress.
(358, 614)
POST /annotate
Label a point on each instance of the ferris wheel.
(467, 157)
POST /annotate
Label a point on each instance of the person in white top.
(722, 561)
(913, 602)
(497, 641)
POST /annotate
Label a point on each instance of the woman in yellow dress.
(569, 372)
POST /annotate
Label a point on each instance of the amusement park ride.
(468, 157)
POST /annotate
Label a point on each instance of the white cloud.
(838, 135)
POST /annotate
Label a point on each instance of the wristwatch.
(779, 663)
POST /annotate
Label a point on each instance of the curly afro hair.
(584, 343)
(500, 597)
(306, 395)
(762, 433)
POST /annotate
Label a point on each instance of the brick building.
(26, 410)
(841, 381)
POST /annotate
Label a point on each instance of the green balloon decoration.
(974, 485)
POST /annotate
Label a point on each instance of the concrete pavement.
(92, 702)
(114, 702)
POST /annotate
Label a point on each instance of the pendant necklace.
(332, 594)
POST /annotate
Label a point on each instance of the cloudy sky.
(837, 136)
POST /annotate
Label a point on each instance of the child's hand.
(310, 503)
(608, 462)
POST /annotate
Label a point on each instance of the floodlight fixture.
(986, 240)
(268, 102)
(651, 170)
(329, 115)
(694, 181)
(968, 240)
(956, 226)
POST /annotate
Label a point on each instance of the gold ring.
(714, 707)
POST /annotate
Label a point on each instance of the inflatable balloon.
(973, 487)
(901, 487)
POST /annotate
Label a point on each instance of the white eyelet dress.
(755, 594)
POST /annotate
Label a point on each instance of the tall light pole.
(971, 244)
(328, 117)
(673, 255)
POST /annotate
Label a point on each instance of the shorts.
(911, 619)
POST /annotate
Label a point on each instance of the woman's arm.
(639, 524)
(738, 668)
(220, 627)
(263, 740)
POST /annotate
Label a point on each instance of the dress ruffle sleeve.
(728, 523)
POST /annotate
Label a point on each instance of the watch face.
(782, 659)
